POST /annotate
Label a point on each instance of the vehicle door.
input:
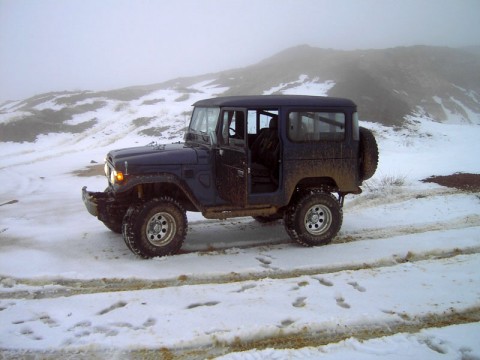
(231, 165)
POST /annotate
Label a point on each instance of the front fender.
(159, 179)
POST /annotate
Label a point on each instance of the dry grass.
(384, 183)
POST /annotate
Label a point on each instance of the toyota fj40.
(270, 157)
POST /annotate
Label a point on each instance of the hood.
(153, 155)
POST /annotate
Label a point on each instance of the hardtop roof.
(253, 101)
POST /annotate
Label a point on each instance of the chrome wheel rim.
(318, 219)
(161, 229)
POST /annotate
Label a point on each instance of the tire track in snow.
(472, 220)
(294, 340)
(312, 334)
(53, 288)
(306, 338)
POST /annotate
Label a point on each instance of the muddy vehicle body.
(270, 157)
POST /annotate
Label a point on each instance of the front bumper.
(96, 202)
(104, 205)
(92, 200)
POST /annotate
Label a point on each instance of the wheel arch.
(150, 187)
(325, 184)
(173, 189)
(328, 183)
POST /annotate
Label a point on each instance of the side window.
(233, 128)
(252, 122)
(311, 126)
(260, 119)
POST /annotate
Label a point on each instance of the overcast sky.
(54, 45)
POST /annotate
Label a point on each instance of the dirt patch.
(463, 181)
(91, 170)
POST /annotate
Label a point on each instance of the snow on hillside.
(303, 86)
(400, 280)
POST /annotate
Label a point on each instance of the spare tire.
(368, 154)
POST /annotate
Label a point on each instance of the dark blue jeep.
(263, 156)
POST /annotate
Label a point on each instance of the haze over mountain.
(387, 85)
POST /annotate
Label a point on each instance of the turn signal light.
(119, 176)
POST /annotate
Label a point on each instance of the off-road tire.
(368, 154)
(155, 228)
(315, 219)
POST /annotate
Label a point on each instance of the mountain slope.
(387, 85)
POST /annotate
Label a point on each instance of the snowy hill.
(388, 85)
(442, 83)
(400, 280)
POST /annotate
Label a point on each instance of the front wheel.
(314, 220)
(156, 228)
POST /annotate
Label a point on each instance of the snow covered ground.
(400, 281)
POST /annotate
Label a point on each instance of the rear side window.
(260, 119)
(312, 126)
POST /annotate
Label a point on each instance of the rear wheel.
(315, 219)
(156, 228)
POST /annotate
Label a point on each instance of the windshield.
(204, 120)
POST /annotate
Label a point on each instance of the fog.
(56, 45)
